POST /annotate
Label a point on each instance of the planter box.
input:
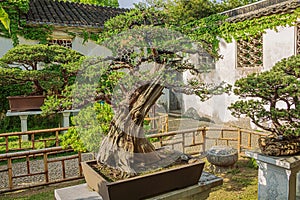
(144, 186)
(25, 103)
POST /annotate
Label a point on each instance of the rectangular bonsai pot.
(25, 103)
(144, 186)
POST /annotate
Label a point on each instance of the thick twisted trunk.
(125, 147)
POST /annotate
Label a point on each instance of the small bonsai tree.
(48, 68)
(272, 98)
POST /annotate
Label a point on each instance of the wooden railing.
(43, 155)
(16, 138)
(159, 123)
(192, 141)
(196, 141)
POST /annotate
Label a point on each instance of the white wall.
(5, 45)
(276, 46)
(89, 48)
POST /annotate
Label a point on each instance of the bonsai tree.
(48, 68)
(272, 99)
(146, 60)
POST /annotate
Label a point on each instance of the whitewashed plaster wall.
(276, 46)
(5, 45)
(89, 48)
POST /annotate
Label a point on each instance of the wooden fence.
(159, 123)
(195, 141)
(41, 156)
(192, 141)
(35, 137)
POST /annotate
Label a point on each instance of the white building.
(69, 22)
(240, 58)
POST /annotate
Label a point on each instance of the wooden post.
(28, 164)
(56, 138)
(239, 140)
(20, 142)
(183, 142)
(10, 174)
(194, 138)
(249, 140)
(204, 138)
(79, 163)
(63, 169)
(167, 123)
(46, 168)
(32, 141)
(6, 144)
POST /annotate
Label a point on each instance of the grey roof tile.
(69, 14)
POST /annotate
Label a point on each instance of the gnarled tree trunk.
(125, 147)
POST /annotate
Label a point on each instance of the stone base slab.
(199, 191)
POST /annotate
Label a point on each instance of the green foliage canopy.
(48, 68)
(275, 98)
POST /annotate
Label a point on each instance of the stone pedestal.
(277, 176)
(66, 118)
(24, 115)
(24, 126)
(199, 191)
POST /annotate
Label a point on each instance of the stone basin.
(222, 156)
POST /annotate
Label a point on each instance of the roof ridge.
(65, 13)
(260, 8)
(89, 4)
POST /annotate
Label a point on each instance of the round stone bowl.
(222, 156)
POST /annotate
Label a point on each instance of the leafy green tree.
(274, 103)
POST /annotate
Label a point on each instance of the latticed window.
(62, 42)
(250, 52)
(298, 39)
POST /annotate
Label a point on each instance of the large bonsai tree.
(147, 58)
(272, 98)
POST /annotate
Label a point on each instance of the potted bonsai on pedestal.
(47, 68)
(272, 102)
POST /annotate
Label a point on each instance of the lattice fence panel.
(62, 42)
(250, 52)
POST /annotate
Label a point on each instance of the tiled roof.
(61, 13)
(261, 8)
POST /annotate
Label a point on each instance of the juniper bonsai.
(147, 59)
(49, 68)
(272, 98)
